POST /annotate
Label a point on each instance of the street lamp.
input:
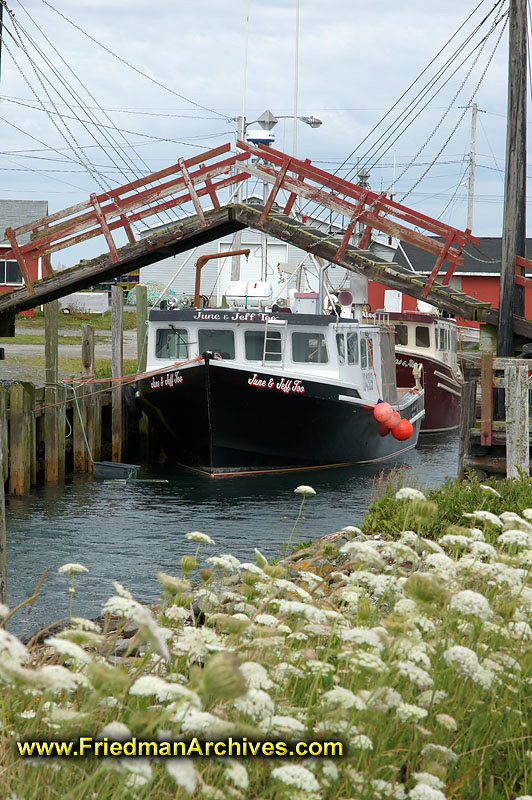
(267, 121)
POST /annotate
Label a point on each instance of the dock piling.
(117, 352)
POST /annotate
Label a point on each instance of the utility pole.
(471, 187)
(511, 296)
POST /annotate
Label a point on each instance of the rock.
(122, 646)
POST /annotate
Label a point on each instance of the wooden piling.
(19, 439)
(79, 430)
(54, 430)
(93, 399)
(467, 420)
(117, 345)
(517, 420)
(3, 476)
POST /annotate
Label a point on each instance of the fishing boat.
(429, 340)
(256, 388)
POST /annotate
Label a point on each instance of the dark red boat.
(431, 341)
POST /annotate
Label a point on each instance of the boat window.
(340, 346)
(366, 351)
(422, 336)
(352, 348)
(445, 343)
(401, 334)
(217, 341)
(309, 348)
(254, 344)
(171, 343)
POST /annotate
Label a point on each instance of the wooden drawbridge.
(190, 181)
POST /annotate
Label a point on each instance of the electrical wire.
(131, 66)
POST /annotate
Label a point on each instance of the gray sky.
(355, 61)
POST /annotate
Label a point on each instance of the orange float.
(403, 430)
(382, 411)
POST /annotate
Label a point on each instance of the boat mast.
(511, 295)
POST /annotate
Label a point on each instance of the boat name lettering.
(285, 385)
(235, 316)
(168, 380)
(402, 362)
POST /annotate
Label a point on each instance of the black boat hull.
(222, 420)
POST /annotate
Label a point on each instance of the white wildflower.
(72, 569)
(362, 551)
(147, 685)
(69, 649)
(317, 667)
(406, 711)
(510, 518)
(483, 550)
(429, 779)
(489, 489)
(342, 698)
(4, 611)
(266, 619)
(253, 568)
(439, 752)
(12, 648)
(56, 678)
(220, 562)
(201, 723)
(360, 636)
(520, 629)
(352, 529)
(198, 642)
(255, 676)
(361, 742)
(236, 772)
(414, 673)
(367, 660)
(464, 660)
(455, 540)
(183, 772)
(484, 516)
(441, 562)
(304, 490)
(262, 561)
(422, 791)
(431, 697)
(447, 721)
(122, 591)
(471, 604)
(197, 536)
(282, 725)
(177, 613)
(407, 493)
(527, 513)
(515, 537)
(130, 609)
(256, 704)
(85, 624)
(297, 776)
(115, 731)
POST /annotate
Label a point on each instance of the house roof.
(482, 260)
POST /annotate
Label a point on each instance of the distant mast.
(511, 295)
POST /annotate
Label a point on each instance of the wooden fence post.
(3, 476)
(517, 420)
(117, 345)
(19, 439)
(468, 412)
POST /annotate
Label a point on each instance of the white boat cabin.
(426, 334)
(324, 348)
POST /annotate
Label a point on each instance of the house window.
(10, 273)
(171, 343)
(254, 344)
(422, 336)
(217, 341)
(401, 334)
(309, 348)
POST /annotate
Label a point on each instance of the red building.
(478, 277)
(14, 213)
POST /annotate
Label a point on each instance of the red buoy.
(382, 412)
(403, 431)
(383, 429)
(394, 420)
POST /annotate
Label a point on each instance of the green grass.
(99, 321)
(418, 659)
(35, 338)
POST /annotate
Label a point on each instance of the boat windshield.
(254, 346)
(171, 343)
(422, 336)
(309, 348)
(217, 341)
(401, 334)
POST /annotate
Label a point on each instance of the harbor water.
(128, 532)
